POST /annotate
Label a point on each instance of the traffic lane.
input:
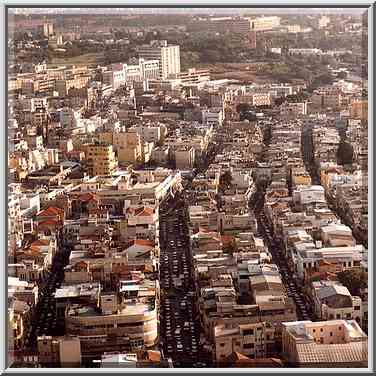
(178, 345)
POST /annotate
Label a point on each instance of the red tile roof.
(141, 211)
(51, 211)
(144, 242)
(40, 243)
(48, 222)
(87, 197)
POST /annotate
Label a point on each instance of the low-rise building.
(336, 343)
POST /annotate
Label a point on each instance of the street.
(293, 289)
(44, 320)
(179, 323)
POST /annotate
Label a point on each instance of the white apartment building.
(167, 55)
(144, 70)
(264, 23)
(115, 77)
(212, 117)
(307, 256)
(334, 301)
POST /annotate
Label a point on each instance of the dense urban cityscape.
(187, 190)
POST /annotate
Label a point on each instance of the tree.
(225, 180)
(354, 279)
(341, 75)
(345, 153)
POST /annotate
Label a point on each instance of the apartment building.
(308, 255)
(264, 23)
(359, 110)
(115, 76)
(193, 76)
(334, 302)
(62, 351)
(184, 157)
(305, 51)
(213, 117)
(294, 109)
(235, 25)
(167, 55)
(100, 159)
(144, 70)
(335, 343)
(254, 340)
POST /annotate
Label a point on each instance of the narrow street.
(293, 288)
(44, 320)
(275, 246)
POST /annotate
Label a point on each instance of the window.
(340, 328)
(222, 344)
(331, 334)
(248, 345)
(248, 332)
(321, 330)
(331, 316)
(321, 340)
(314, 330)
(338, 315)
(357, 308)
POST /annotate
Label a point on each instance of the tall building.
(236, 25)
(264, 23)
(100, 159)
(167, 55)
(185, 158)
(48, 29)
(252, 39)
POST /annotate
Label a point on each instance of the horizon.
(186, 10)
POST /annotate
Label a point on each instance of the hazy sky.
(188, 10)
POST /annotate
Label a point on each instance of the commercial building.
(127, 319)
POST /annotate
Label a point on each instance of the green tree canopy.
(354, 279)
(345, 153)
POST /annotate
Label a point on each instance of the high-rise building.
(48, 29)
(167, 55)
